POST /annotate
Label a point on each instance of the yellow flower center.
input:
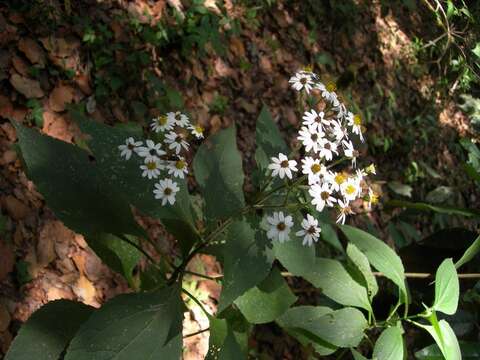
(357, 120)
(340, 179)
(151, 165)
(350, 189)
(180, 164)
(315, 168)
(373, 198)
(198, 129)
(308, 68)
(162, 120)
(330, 86)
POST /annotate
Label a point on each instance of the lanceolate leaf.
(389, 345)
(358, 356)
(382, 257)
(267, 301)
(447, 288)
(131, 326)
(247, 261)
(445, 339)
(43, 336)
(218, 171)
(335, 282)
(470, 253)
(361, 263)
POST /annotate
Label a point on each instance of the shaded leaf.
(361, 263)
(43, 337)
(295, 257)
(400, 189)
(389, 345)
(469, 350)
(447, 288)
(435, 208)
(470, 253)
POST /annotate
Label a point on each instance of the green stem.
(196, 301)
(202, 275)
(139, 248)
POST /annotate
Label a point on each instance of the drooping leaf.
(141, 325)
(342, 328)
(218, 171)
(74, 187)
(118, 254)
(382, 257)
(247, 261)
(335, 282)
(389, 345)
(125, 176)
(469, 351)
(445, 338)
(293, 322)
(470, 253)
(447, 288)
(267, 301)
(361, 263)
(43, 336)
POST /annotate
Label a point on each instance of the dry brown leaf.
(83, 82)
(85, 290)
(4, 318)
(61, 96)
(28, 87)
(57, 126)
(237, 47)
(8, 259)
(56, 293)
(60, 46)
(222, 69)
(15, 208)
(32, 51)
(20, 65)
(6, 107)
(45, 246)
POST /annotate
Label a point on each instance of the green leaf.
(342, 328)
(336, 283)
(125, 176)
(74, 187)
(268, 139)
(43, 336)
(357, 355)
(247, 261)
(295, 257)
(226, 338)
(118, 254)
(130, 326)
(389, 345)
(295, 319)
(435, 208)
(382, 257)
(445, 338)
(329, 235)
(361, 263)
(267, 301)
(218, 170)
(400, 189)
(476, 50)
(447, 288)
(470, 253)
(469, 350)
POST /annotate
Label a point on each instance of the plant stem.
(214, 278)
(139, 248)
(196, 301)
(196, 333)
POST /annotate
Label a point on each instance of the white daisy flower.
(162, 123)
(166, 191)
(151, 168)
(355, 121)
(344, 210)
(336, 180)
(338, 131)
(321, 196)
(176, 142)
(310, 231)
(150, 152)
(281, 166)
(311, 138)
(350, 151)
(197, 131)
(341, 110)
(178, 119)
(327, 149)
(178, 168)
(372, 198)
(314, 119)
(130, 146)
(280, 226)
(302, 80)
(313, 169)
(350, 189)
(328, 92)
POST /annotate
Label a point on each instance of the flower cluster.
(326, 134)
(166, 156)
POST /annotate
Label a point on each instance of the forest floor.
(48, 61)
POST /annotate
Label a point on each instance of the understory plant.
(113, 175)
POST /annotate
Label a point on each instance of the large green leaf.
(447, 288)
(267, 301)
(435, 208)
(125, 176)
(469, 350)
(295, 257)
(335, 282)
(342, 328)
(382, 257)
(117, 253)
(357, 355)
(445, 338)
(74, 187)
(268, 139)
(470, 253)
(247, 261)
(219, 173)
(43, 336)
(361, 263)
(389, 345)
(293, 322)
(131, 326)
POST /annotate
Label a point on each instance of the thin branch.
(196, 301)
(196, 333)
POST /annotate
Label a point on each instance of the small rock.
(28, 87)
(15, 208)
